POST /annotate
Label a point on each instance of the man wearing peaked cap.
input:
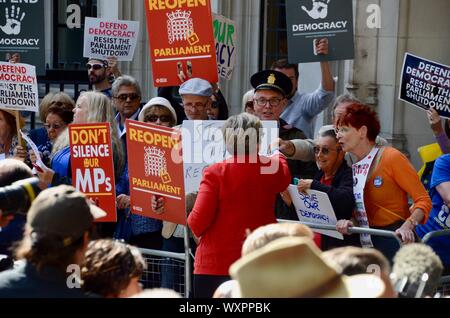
(270, 99)
(57, 233)
(196, 94)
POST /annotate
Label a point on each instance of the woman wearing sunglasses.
(335, 179)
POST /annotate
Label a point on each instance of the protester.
(439, 218)
(57, 233)
(217, 109)
(219, 222)
(302, 109)
(196, 95)
(39, 136)
(442, 135)
(112, 269)
(335, 178)
(247, 102)
(100, 73)
(9, 142)
(386, 180)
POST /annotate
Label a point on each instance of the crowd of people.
(240, 248)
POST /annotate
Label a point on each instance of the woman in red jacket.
(235, 196)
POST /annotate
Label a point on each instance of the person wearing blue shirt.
(439, 216)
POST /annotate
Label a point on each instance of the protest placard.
(18, 87)
(225, 36)
(203, 145)
(426, 84)
(156, 169)
(22, 32)
(181, 41)
(40, 164)
(92, 165)
(314, 207)
(105, 38)
(308, 21)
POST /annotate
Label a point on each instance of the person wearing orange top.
(389, 179)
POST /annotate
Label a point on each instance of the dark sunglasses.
(249, 104)
(154, 119)
(214, 105)
(54, 126)
(94, 66)
(325, 151)
(124, 97)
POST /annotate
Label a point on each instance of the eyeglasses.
(198, 106)
(249, 104)
(341, 130)
(94, 66)
(154, 118)
(125, 97)
(325, 151)
(274, 102)
(54, 126)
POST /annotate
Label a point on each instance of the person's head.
(45, 105)
(290, 70)
(271, 90)
(8, 126)
(127, 96)
(341, 104)
(58, 117)
(292, 267)
(112, 269)
(247, 102)
(95, 107)
(328, 152)
(11, 170)
(359, 124)
(217, 109)
(98, 71)
(196, 95)
(351, 260)
(268, 233)
(242, 134)
(411, 262)
(58, 228)
(159, 111)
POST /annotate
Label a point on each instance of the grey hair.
(346, 98)
(247, 97)
(125, 80)
(411, 262)
(242, 134)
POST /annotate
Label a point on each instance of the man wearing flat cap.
(272, 89)
(196, 94)
(57, 232)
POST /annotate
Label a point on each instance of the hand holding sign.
(318, 11)
(13, 22)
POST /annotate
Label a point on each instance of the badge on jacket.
(378, 182)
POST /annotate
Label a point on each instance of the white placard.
(314, 207)
(34, 148)
(203, 146)
(18, 87)
(105, 38)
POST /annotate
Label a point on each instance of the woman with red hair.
(383, 178)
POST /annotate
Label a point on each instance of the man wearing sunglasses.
(100, 73)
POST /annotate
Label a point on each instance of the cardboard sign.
(426, 84)
(314, 207)
(225, 36)
(203, 145)
(181, 41)
(110, 38)
(18, 87)
(22, 32)
(311, 20)
(93, 167)
(155, 168)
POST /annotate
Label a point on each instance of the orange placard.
(93, 166)
(181, 41)
(155, 168)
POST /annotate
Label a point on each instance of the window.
(68, 43)
(274, 37)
